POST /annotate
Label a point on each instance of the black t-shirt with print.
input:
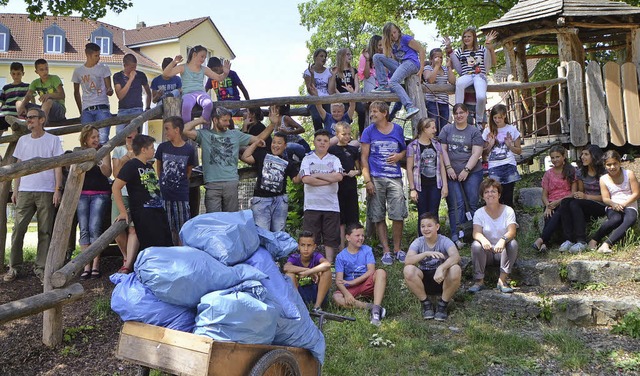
(142, 185)
(272, 174)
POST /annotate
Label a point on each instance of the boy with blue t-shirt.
(383, 147)
(356, 275)
(338, 114)
(162, 87)
(432, 268)
(309, 271)
(129, 83)
(174, 160)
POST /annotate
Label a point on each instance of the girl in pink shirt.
(557, 184)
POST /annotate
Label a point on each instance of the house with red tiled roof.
(61, 41)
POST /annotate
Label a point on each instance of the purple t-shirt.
(382, 146)
(133, 99)
(403, 52)
(294, 259)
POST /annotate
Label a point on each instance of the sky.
(265, 35)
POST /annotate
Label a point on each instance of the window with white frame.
(105, 45)
(4, 43)
(54, 44)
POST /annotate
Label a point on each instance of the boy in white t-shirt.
(320, 173)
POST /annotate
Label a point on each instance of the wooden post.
(577, 115)
(523, 76)
(52, 319)
(414, 90)
(562, 73)
(35, 165)
(172, 107)
(565, 46)
(510, 57)
(5, 188)
(62, 276)
(38, 303)
(634, 54)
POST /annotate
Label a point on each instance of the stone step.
(534, 272)
(565, 309)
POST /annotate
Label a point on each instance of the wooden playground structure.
(587, 102)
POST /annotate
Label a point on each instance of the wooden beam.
(613, 25)
(38, 303)
(34, 165)
(546, 31)
(590, 49)
(577, 114)
(335, 98)
(52, 318)
(414, 91)
(66, 273)
(497, 87)
(510, 57)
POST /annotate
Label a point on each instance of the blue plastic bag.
(300, 332)
(279, 244)
(276, 285)
(229, 237)
(182, 275)
(133, 301)
(238, 314)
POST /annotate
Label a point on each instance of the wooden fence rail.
(38, 303)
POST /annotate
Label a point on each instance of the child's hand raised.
(447, 42)
(226, 66)
(274, 115)
(177, 59)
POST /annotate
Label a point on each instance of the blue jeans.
(270, 213)
(428, 201)
(97, 115)
(439, 112)
(125, 112)
(90, 211)
(455, 202)
(399, 71)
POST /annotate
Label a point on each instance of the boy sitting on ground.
(432, 268)
(309, 271)
(357, 276)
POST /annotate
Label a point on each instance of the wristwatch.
(504, 237)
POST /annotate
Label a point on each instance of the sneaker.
(387, 259)
(410, 111)
(427, 310)
(578, 247)
(15, 120)
(382, 89)
(11, 275)
(400, 256)
(475, 288)
(441, 311)
(377, 314)
(564, 247)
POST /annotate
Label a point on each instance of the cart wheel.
(276, 363)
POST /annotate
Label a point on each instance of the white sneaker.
(578, 247)
(564, 247)
(11, 275)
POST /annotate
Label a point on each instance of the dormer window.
(54, 44)
(103, 38)
(54, 40)
(5, 36)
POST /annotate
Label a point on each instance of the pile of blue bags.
(223, 283)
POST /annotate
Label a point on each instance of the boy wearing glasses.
(37, 193)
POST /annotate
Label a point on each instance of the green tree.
(93, 9)
(342, 23)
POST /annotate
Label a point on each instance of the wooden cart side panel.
(164, 357)
(165, 349)
(236, 359)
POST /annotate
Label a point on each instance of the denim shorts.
(270, 213)
(389, 198)
(505, 174)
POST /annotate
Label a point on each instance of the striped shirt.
(472, 61)
(441, 79)
(10, 95)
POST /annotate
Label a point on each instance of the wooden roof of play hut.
(611, 109)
